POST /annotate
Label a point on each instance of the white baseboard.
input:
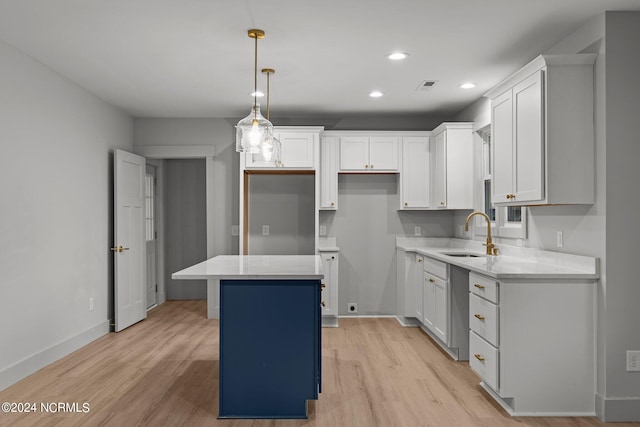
(618, 409)
(408, 322)
(329, 322)
(33, 363)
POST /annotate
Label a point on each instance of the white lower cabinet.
(439, 306)
(409, 287)
(329, 286)
(435, 299)
(532, 343)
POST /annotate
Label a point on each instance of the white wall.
(56, 219)
(622, 104)
(606, 229)
(226, 165)
(286, 203)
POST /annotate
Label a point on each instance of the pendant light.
(272, 147)
(253, 129)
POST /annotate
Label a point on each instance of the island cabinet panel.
(269, 347)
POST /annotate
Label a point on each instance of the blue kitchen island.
(270, 332)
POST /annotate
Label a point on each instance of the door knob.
(119, 249)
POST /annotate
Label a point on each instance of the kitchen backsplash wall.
(365, 226)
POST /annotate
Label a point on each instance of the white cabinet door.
(297, 150)
(528, 139)
(502, 147)
(368, 154)
(354, 153)
(330, 284)
(542, 132)
(415, 173)
(383, 154)
(441, 317)
(429, 301)
(329, 173)
(440, 170)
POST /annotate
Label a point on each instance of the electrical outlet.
(235, 230)
(417, 230)
(559, 239)
(91, 304)
(633, 360)
(460, 231)
(352, 307)
(265, 230)
(519, 242)
(323, 230)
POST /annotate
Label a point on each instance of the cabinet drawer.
(437, 268)
(483, 358)
(483, 318)
(483, 286)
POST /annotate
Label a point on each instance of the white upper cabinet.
(298, 149)
(542, 133)
(329, 173)
(452, 166)
(369, 153)
(414, 173)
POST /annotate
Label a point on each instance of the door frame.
(155, 155)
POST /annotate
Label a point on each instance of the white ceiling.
(193, 58)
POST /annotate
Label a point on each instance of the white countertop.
(265, 267)
(515, 263)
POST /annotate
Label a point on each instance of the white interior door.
(150, 235)
(129, 242)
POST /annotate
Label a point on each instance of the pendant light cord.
(255, 80)
(268, 94)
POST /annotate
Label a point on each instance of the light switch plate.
(265, 230)
(417, 230)
(235, 230)
(323, 230)
(559, 239)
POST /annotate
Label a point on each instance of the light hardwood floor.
(163, 372)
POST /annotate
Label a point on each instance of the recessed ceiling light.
(257, 94)
(467, 85)
(397, 56)
(375, 94)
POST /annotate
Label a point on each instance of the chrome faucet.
(491, 248)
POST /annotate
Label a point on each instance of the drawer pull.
(419, 259)
(479, 357)
(431, 279)
(479, 286)
(478, 316)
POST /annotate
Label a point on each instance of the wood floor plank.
(163, 371)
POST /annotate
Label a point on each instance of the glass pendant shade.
(271, 151)
(252, 131)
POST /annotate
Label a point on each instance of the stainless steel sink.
(462, 254)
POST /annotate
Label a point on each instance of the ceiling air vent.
(426, 85)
